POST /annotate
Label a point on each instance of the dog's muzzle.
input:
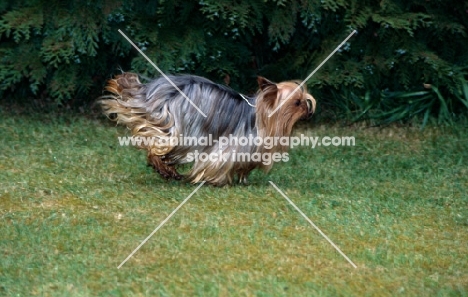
(310, 106)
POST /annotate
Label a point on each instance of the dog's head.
(280, 106)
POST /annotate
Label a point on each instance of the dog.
(159, 111)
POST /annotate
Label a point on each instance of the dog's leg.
(244, 174)
(166, 171)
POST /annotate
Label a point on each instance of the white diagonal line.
(162, 73)
(313, 72)
(313, 225)
(160, 225)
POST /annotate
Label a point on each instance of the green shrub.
(408, 59)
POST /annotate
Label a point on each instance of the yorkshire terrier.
(157, 110)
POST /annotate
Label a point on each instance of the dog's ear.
(269, 91)
(264, 83)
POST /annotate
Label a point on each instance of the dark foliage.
(408, 59)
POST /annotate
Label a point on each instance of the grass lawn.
(74, 205)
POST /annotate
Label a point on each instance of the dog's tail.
(125, 83)
(127, 104)
(125, 101)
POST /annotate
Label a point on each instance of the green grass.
(74, 205)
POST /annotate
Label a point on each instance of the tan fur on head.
(293, 107)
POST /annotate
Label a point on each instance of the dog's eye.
(298, 102)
